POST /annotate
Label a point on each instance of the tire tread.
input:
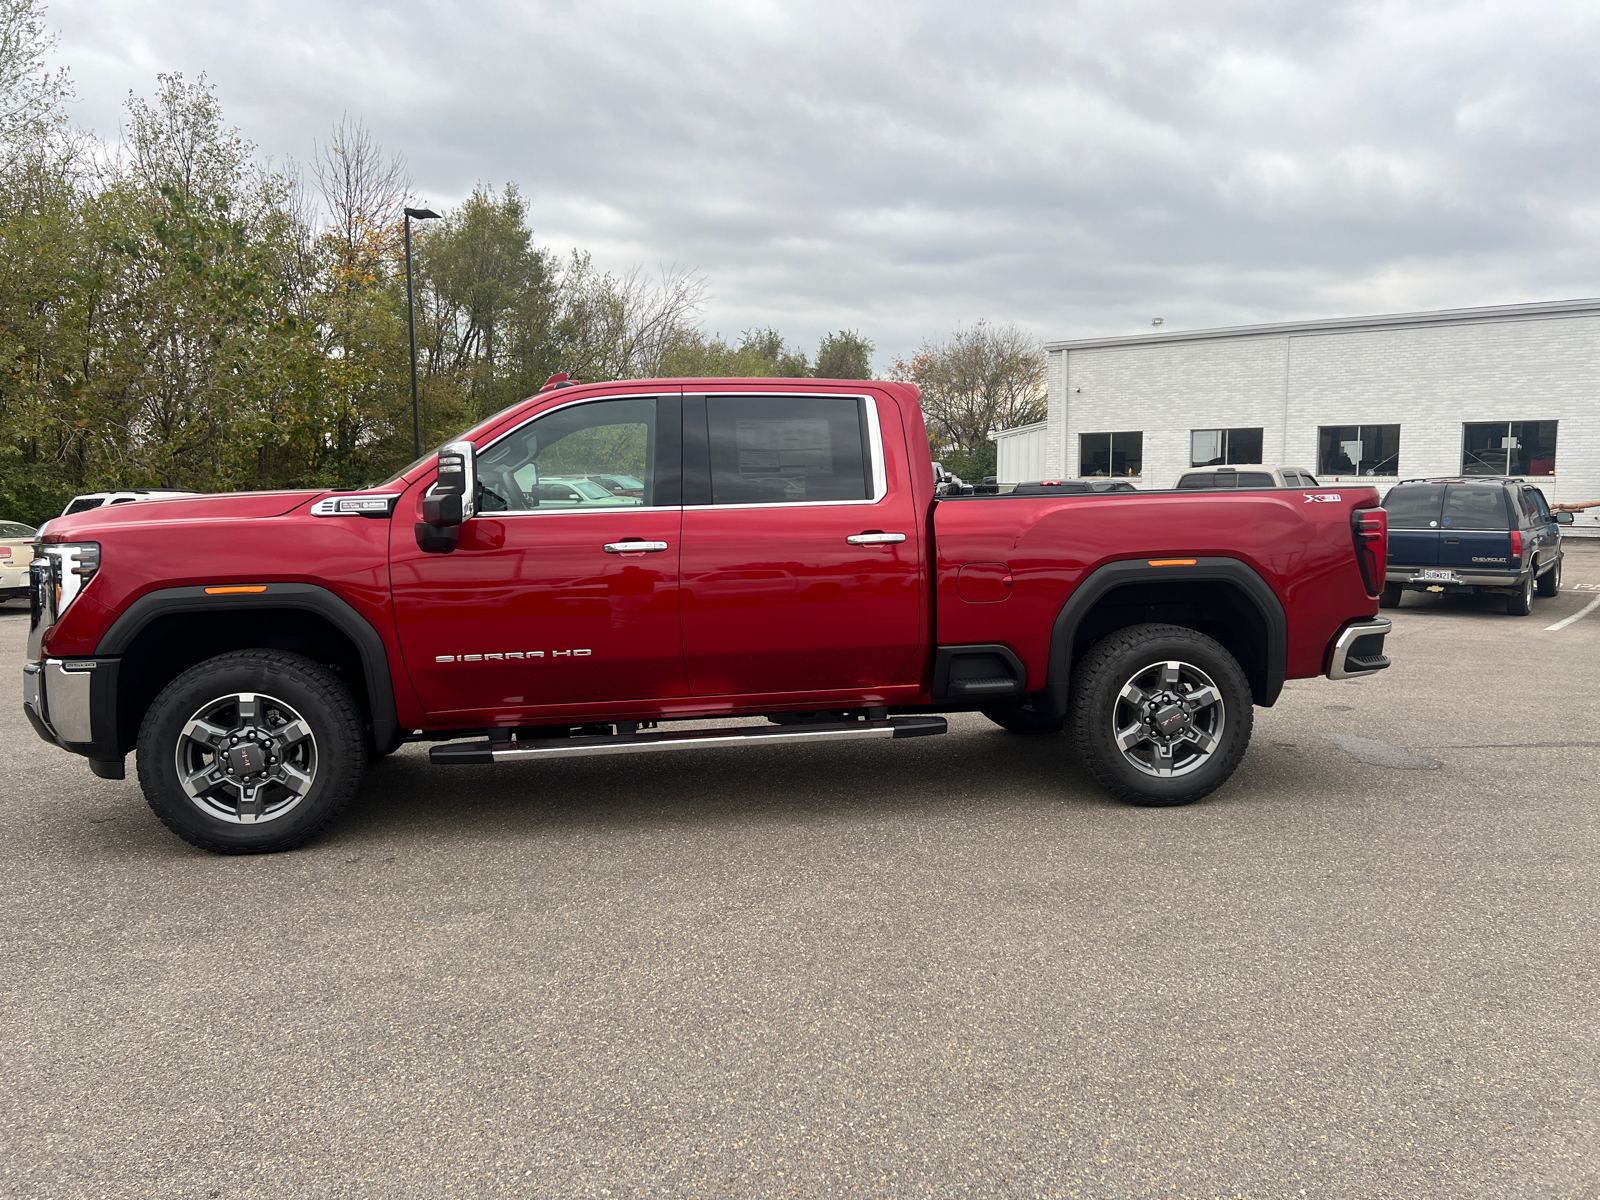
(315, 678)
(1081, 721)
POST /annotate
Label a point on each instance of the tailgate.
(1475, 528)
(1414, 513)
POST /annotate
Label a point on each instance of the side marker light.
(1173, 562)
(234, 591)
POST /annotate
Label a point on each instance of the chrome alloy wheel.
(246, 758)
(1168, 719)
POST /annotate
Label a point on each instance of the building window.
(1111, 453)
(1218, 447)
(1358, 450)
(1509, 448)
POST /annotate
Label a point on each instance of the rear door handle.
(875, 539)
(635, 547)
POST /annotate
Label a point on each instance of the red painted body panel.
(1304, 551)
(774, 610)
(776, 600)
(561, 621)
(243, 539)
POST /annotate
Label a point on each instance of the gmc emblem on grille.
(511, 656)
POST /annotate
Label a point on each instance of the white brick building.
(1506, 390)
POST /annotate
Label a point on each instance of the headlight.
(59, 574)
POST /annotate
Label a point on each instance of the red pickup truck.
(784, 554)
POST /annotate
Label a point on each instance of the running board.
(482, 752)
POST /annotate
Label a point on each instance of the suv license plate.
(1437, 576)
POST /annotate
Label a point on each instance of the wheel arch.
(1215, 596)
(165, 632)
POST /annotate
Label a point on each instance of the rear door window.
(1467, 506)
(1256, 479)
(788, 449)
(1415, 506)
(1193, 483)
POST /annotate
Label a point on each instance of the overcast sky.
(897, 169)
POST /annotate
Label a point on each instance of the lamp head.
(422, 214)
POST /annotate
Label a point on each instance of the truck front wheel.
(251, 752)
(1161, 715)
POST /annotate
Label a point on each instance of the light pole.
(421, 214)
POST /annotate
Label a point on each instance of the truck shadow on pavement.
(955, 774)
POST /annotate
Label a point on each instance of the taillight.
(1516, 546)
(1370, 526)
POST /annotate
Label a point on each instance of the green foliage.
(844, 355)
(972, 465)
(974, 383)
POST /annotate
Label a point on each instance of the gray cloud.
(899, 168)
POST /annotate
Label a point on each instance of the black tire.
(308, 774)
(1520, 602)
(1390, 596)
(1550, 582)
(1022, 719)
(1113, 665)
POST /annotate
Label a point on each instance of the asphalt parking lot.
(946, 966)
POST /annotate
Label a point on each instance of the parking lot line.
(1579, 615)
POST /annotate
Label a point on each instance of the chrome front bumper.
(1358, 650)
(56, 694)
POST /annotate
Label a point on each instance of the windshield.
(417, 462)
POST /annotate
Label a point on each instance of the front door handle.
(875, 539)
(640, 547)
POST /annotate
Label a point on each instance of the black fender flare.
(1112, 575)
(307, 597)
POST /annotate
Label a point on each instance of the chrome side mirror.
(451, 501)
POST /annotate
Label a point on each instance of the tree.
(489, 299)
(31, 97)
(364, 190)
(627, 326)
(843, 355)
(974, 382)
(759, 354)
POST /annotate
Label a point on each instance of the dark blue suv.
(1473, 535)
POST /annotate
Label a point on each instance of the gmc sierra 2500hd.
(787, 557)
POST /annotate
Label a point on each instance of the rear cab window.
(1473, 507)
(1414, 505)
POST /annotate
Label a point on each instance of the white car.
(1245, 475)
(90, 500)
(16, 552)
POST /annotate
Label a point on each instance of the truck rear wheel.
(1022, 719)
(1161, 714)
(1520, 602)
(252, 752)
(1550, 582)
(1390, 596)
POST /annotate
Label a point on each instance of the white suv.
(1252, 475)
(90, 500)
